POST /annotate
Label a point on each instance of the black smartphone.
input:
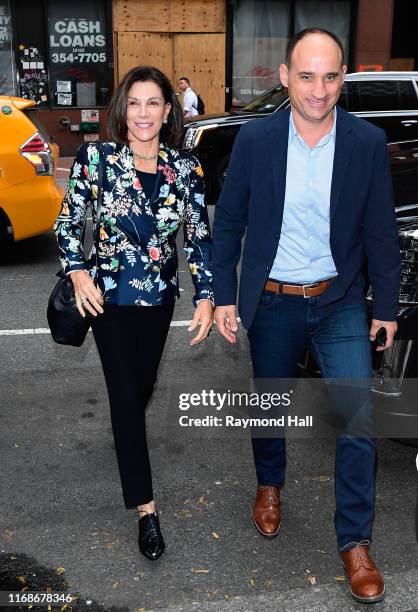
(381, 337)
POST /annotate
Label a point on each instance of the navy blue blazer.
(362, 216)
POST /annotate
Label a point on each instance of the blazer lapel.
(124, 169)
(344, 143)
(164, 187)
(127, 179)
(164, 170)
(277, 141)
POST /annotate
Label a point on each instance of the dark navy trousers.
(130, 341)
(338, 336)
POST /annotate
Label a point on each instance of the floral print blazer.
(137, 258)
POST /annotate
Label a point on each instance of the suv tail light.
(36, 150)
(408, 240)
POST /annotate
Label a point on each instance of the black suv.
(390, 101)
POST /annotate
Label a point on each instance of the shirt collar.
(331, 134)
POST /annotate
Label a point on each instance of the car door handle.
(409, 122)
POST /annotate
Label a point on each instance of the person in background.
(149, 190)
(189, 98)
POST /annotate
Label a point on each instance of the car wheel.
(6, 232)
(393, 386)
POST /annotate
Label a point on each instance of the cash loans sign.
(76, 34)
(77, 41)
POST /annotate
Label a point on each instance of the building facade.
(67, 55)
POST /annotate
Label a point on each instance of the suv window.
(357, 96)
(269, 101)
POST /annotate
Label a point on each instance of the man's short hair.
(299, 35)
(185, 79)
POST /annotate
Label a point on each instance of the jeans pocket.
(267, 299)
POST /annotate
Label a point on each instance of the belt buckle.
(303, 288)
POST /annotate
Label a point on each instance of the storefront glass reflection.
(7, 72)
(261, 29)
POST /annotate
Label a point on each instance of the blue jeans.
(338, 336)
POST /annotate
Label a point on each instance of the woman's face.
(146, 111)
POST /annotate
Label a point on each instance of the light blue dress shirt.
(304, 253)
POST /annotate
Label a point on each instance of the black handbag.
(65, 322)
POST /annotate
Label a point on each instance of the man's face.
(315, 77)
(183, 85)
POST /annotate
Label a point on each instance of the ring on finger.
(83, 300)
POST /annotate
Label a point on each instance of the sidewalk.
(63, 517)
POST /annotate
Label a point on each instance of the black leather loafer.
(150, 539)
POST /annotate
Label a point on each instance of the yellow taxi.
(29, 197)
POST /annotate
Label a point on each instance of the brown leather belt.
(306, 290)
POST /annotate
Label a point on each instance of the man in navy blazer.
(311, 188)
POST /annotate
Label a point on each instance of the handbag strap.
(96, 233)
(99, 186)
(99, 203)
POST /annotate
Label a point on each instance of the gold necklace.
(144, 157)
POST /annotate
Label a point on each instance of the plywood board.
(197, 16)
(141, 15)
(201, 58)
(144, 48)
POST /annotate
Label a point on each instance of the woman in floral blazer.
(148, 190)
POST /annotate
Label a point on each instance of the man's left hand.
(390, 326)
(203, 316)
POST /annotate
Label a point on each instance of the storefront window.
(80, 55)
(260, 33)
(261, 29)
(31, 52)
(7, 66)
(333, 16)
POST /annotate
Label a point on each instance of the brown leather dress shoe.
(366, 582)
(266, 511)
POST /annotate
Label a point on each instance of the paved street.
(63, 524)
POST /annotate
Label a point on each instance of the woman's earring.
(165, 120)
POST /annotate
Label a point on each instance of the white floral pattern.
(137, 259)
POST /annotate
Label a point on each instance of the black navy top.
(147, 180)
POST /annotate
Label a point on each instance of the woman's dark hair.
(171, 131)
(300, 35)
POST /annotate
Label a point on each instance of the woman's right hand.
(88, 296)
